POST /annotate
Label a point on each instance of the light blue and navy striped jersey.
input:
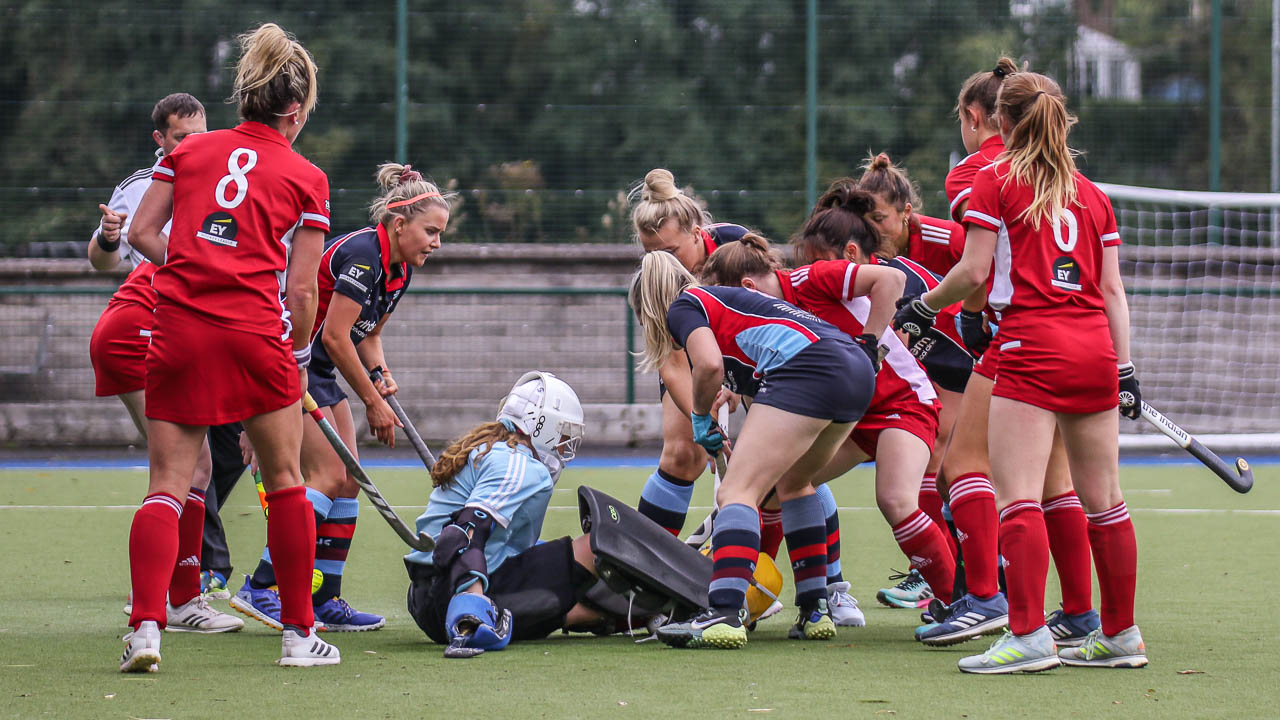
(508, 483)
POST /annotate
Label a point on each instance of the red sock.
(973, 509)
(1115, 552)
(930, 502)
(291, 537)
(922, 541)
(153, 549)
(770, 532)
(1025, 545)
(1069, 542)
(186, 574)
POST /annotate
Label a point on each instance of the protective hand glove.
(972, 327)
(1130, 394)
(869, 344)
(914, 316)
(707, 433)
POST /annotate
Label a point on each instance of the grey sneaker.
(1125, 649)
(1015, 653)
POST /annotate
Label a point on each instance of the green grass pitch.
(1208, 574)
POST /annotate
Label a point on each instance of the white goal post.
(1202, 271)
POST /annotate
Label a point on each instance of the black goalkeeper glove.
(1130, 394)
(914, 317)
(869, 344)
(973, 329)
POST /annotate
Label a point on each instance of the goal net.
(1203, 275)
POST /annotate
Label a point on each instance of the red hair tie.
(407, 175)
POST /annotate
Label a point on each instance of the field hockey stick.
(701, 533)
(418, 541)
(1241, 484)
(415, 439)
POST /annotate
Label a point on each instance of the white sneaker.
(774, 608)
(197, 616)
(1125, 649)
(843, 606)
(1015, 653)
(142, 649)
(309, 651)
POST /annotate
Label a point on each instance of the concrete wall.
(454, 356)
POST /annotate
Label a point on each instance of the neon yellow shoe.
(720, 628)
(814, 623)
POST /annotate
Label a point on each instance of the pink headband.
(412, 200)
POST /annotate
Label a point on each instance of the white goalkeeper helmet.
(546, 409)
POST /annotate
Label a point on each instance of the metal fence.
(542, 112)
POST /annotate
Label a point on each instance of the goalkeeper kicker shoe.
(1072, 630)
(142, 649)
(197, 616)
(814, 623)
(1015, 653)
(1125, 649)
(720, 628)
(911, 592)
(965, 619)
(306, 650)
(844, 607)
(337, 616)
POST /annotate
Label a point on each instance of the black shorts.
(324, 389)
(539, 586)
(830, 380)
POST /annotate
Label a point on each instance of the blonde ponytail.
(1037, 150)
(654, 287)
(274, 71)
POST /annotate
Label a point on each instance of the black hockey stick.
(417, 541)
(1241, 484)
(409, 430)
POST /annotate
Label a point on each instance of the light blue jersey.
(508, 483)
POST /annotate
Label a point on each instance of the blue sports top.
(509, 484)
(756, 332)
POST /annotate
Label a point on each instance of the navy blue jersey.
(757, 333)
(358, 266)
(717, 234)
(941, 350)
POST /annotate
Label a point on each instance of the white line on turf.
(1267, 512)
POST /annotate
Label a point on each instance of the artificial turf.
(1206, 576)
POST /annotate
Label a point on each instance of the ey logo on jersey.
(1066, 274)
(357, 276)
(219, 228)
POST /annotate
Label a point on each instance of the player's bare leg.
(1068, 530)
(277, 439)
(668, 491)
(1093, 454)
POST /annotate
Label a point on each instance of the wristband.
(1125, 369)
(106, 245)
(925, 306)
(302, 357)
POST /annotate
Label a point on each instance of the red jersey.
(825, 289)
(959, 181)
(137, 287)
(238, 197)
(935, 244)
(1056, 268)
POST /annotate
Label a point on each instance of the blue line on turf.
(601, 461)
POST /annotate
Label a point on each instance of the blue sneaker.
(213, 585)
(337, 616)
(1072, 630)
(966, 618)
(261, 605)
